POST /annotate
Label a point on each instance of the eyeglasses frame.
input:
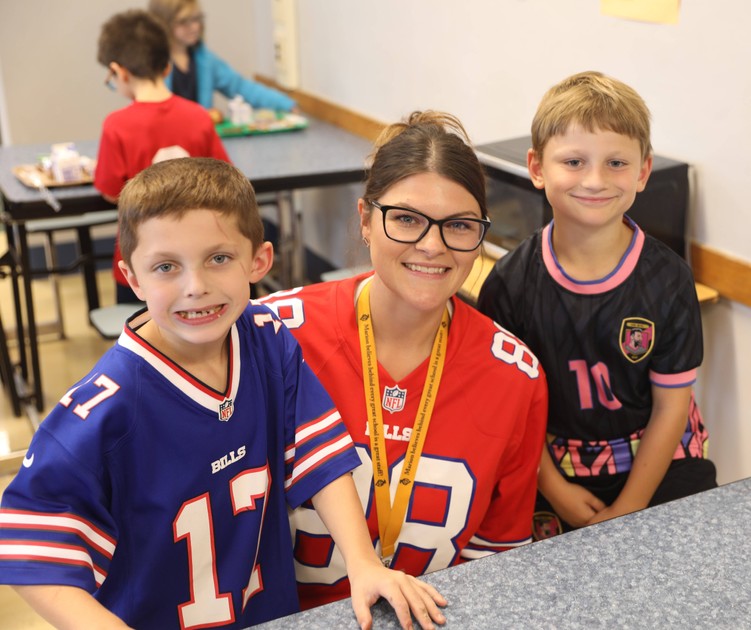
(189, 20)
(109, 82)
(485, 223)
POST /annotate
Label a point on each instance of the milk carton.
(65, 163)
(240, 112)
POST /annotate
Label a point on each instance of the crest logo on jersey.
(226, 409)
(637, 338)
(545, 525)
(393, 398)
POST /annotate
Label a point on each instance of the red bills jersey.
(475, 485)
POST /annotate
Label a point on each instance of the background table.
(685, 564)
(321, 155)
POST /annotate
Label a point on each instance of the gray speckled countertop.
(686, 564)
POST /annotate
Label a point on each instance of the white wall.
(54, 87)
(490, 61)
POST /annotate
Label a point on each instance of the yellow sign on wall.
(660, 11)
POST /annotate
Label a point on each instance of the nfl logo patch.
(226, 409)
(393, 398)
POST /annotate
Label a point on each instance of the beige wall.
(52, 83)
(489, 62)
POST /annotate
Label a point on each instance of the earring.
(366, 241)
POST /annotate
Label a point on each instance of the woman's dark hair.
(426, 142)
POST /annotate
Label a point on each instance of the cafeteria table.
(684, 564)
(319, 155)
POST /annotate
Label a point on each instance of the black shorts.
(683, 478)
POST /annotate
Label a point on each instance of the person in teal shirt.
(197, 72)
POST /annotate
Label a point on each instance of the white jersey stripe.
(198, 395)
(480, 542)
(474, 554)
(50, 553)
(28, 520)
(315, 458)
(311, 429)
(320, 425)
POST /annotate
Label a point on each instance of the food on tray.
(63, 166)
(263, 121)
(216, 115)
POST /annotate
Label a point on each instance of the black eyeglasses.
(410, 226)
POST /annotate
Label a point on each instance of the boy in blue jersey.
(611, 313)
(155, 494)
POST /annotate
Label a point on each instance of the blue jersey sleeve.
(55, 522)
(319, 448)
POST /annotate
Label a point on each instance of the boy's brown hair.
(594, 101)
(137, 41)
(174, 187)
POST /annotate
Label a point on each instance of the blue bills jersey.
(604, 344)
(167, 499)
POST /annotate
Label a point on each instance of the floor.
(63, 361)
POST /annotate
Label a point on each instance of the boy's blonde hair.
(174, 187)
(594, 101)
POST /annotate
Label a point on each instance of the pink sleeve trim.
(683, 379)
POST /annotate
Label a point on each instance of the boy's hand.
(406, 594)
(605, 515)
(575, 505)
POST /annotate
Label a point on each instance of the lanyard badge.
(390, 518)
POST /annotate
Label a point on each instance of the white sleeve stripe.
(316, 426)
(316, 458)
(480, 542)
(49, 553)
(474, 554)
(49, 522)
(311, 429)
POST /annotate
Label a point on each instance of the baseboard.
(729, 275)
(318, 107)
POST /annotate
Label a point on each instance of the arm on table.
(339, 507)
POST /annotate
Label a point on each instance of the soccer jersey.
(132, 138)
(475, 483)
(167, 499)
(603, 345)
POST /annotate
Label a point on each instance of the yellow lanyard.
(390, 519)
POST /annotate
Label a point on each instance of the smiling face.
(590, 177)
(425, 274)
(193, 271)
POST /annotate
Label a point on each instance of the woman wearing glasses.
(447, 409)
(196, 71)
